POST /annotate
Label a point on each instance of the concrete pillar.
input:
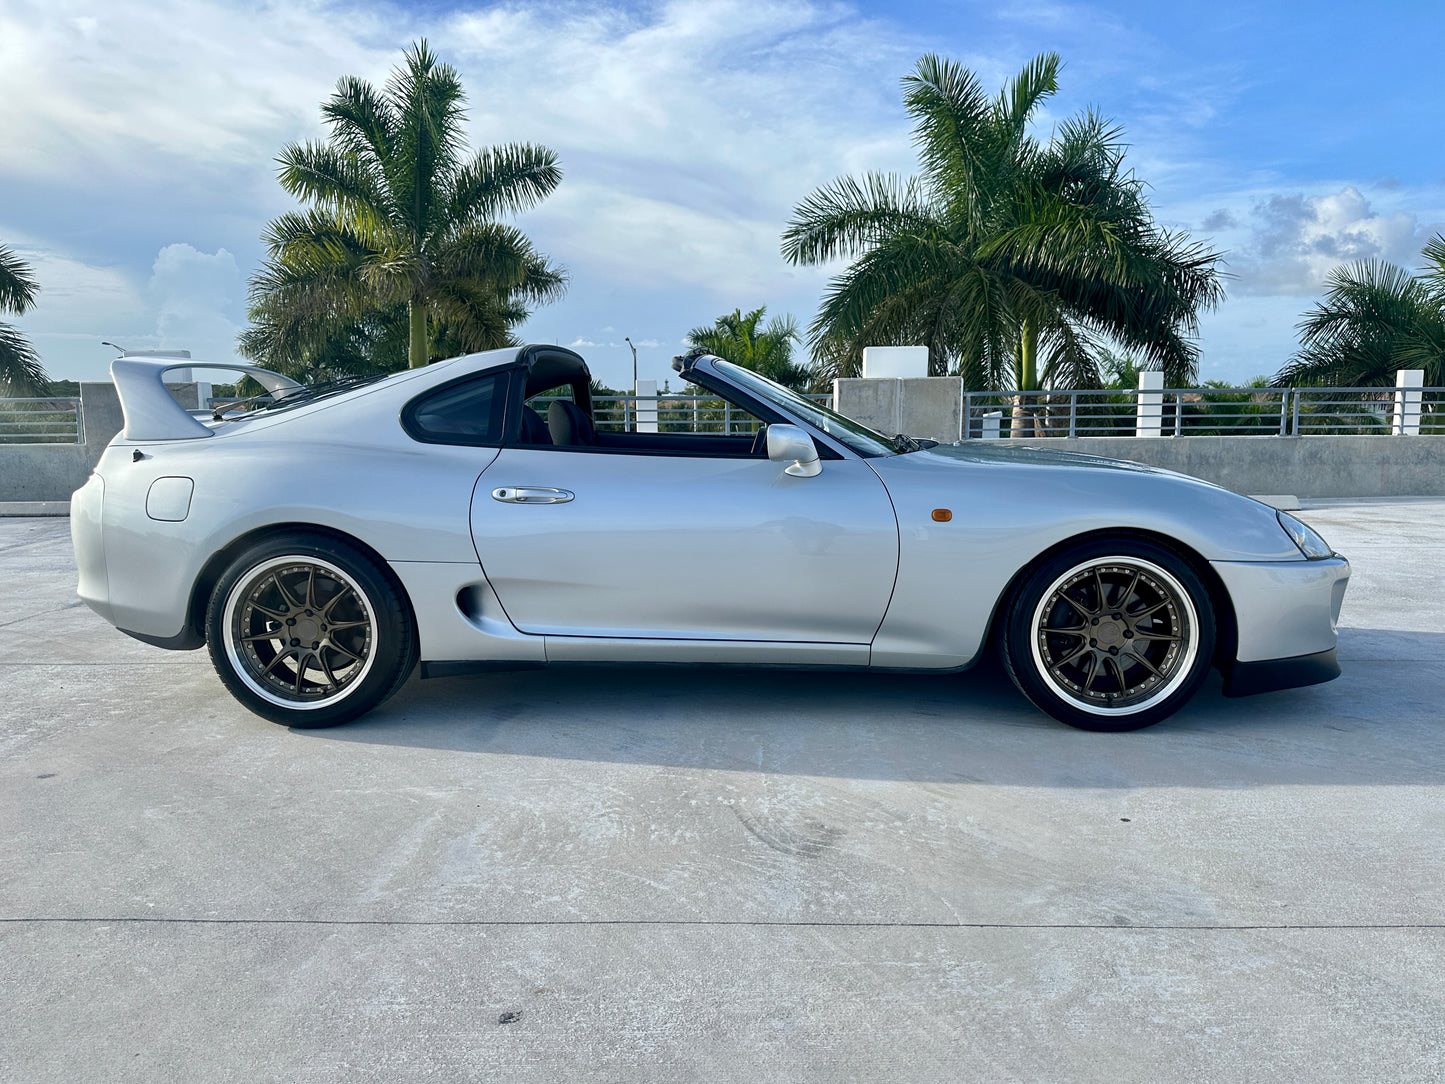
(101, 417)
(1149, 413)
(1406, 418)
(992, 421)
(647, 406)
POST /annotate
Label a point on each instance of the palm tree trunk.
(419, 352)
(1026, 378)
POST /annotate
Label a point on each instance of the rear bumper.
(87, 537)
(1248, 678)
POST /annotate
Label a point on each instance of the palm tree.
(1375, 318)
(402, 224)
(1011, 259)
(766, 349)
(21, 373)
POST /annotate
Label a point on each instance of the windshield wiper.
(903, 443)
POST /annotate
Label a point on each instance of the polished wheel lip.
(249, 584)
(1187, 626)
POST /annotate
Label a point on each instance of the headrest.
(534, 429)
(569, 425)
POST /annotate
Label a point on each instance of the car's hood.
(1045, 488)
(981, 451)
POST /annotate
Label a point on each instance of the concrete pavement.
(659, 875)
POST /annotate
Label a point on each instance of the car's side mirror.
(790, 444)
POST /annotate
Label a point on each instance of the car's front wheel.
(307, 631)
(1110, 634)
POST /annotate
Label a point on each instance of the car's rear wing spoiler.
(152, 412)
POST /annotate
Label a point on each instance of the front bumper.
(1286, 617)
(1248, 678)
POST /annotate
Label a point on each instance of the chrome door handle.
(520, 495)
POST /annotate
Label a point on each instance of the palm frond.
(846, 218)
(427, 98)
(1375, 318)
(363, 123)
(1434, 273)
(336, 180)
(506, 179)
(18, 285)
(1039, 79)
(21, 374)
(951, 123)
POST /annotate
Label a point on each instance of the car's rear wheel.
(1110, 634)
(309, 632)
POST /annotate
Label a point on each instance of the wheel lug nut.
(290, 621)
(315, 645)
(1116, 617)
(1095, 621)
(295, 642)
(1093, 643)
(1113, 651)
(1128, 635)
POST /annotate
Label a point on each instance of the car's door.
(621, 544)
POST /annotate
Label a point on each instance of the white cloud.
(192, 300)
(140, 138)
(198, 298)
(1295, 240)
(134, 85)
(687, 131)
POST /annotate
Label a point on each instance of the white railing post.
(1409, 385)
(1149, 411)
(647, 406)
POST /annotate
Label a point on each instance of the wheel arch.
(1226, 623)
(216, 565)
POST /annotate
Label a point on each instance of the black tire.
(359, 644)
(1110, 634)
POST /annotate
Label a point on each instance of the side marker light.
(942, 515)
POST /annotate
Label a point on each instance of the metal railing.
(1190, 412)
(41, 421)
(672, 413)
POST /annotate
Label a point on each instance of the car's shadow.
(1380, 723)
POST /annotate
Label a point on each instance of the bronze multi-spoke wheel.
(1110, 635)
(309, 632)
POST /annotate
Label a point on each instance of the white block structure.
(1405, 421)
(646, 408)
(895, 361)
(1149, 414)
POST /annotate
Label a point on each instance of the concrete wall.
(1322, 466)
(1312, 466)
(52, 472)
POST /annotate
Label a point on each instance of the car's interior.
(557, 412)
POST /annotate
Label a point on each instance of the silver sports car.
(323, 543)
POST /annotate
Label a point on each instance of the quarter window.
(472, 412)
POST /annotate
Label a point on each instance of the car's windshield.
(858, 438)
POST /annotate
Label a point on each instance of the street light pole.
(628, 341)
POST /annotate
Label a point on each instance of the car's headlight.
(1305, 537)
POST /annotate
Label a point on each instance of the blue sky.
(139, 142)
